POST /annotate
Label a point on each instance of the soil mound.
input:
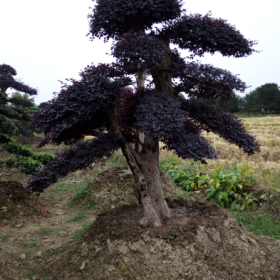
(202, 241)
(114, 187)
(15, 201)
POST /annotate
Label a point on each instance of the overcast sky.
(45, 41)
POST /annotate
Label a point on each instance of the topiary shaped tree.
(9, 113)
(104, 103)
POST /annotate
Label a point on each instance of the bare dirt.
(42, 238)
(114, 187)
(203, 241)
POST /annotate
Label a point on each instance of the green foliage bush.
(26, 165)
(228, 188)
(26, 160)
(7, 126)
(187, 179)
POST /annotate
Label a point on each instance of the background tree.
(15, 115)
(13, 109)
(104, 103)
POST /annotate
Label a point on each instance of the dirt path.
(25, 241)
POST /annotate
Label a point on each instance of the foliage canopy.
(106, 104)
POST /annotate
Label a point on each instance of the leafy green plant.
(187, 179)
(227, 187)
(26, 160)
(26, 165)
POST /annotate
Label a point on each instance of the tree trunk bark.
(3, 90)
(151, 172)
(141, 136)
(144, 164)
(145, 168)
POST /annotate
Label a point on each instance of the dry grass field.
(266, 163)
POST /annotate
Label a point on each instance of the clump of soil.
(202, 241)
(114, 187)
(15, 201)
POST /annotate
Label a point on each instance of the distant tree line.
(266, 96)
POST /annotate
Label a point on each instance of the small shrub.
(228, 188)
(26, 160)
(188, 179)
(26, 165)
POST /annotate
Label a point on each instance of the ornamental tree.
(12, 110)
(106, 103)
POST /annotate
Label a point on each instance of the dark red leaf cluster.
(207, 81)
(113, 17)
(159, 115)
(81, 106)
(201, 34)
(80, 156)
(137, 51)
(228, 126)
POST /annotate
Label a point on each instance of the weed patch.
(52, 252)
(80, 216)
(226, 187)
(30, 245)
(46, 231)
(5, 237)
(81, 232)
(261, 224)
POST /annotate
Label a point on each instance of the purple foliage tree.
(104, 103)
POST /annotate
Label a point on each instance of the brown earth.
(17, 202)
(114, 187)
(203, 241)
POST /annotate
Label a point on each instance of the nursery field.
(85, 226)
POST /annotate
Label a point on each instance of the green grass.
(81, 191)
(118, 159)
(5, 237)
(62, 187)
(46, 231)
(30, 245)
(81, 232)
(31, 272)
(261, 224)
(63, 248)
(80, 216)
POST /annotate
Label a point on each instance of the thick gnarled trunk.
(144, 162)
(148, 185)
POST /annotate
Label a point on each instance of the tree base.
(201, 241)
